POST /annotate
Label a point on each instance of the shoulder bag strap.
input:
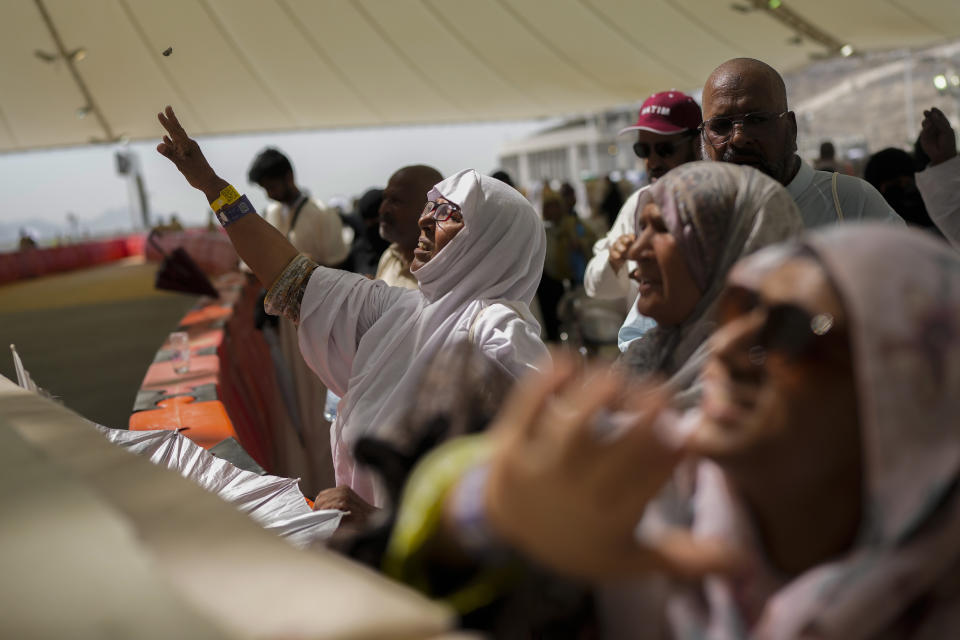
(303, 201)
(836, 198)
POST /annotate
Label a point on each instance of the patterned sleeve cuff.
(286, 293)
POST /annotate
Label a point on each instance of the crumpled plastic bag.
(274, 502)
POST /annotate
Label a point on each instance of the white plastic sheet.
(274, 502)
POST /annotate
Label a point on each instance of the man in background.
(746, 121)
(302, 442)
(315, 230)
(403, 202)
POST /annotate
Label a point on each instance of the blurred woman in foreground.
(821, 499)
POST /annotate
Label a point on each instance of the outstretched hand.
(578, 458)
(344, 498)
(185, 154)
(936, 137)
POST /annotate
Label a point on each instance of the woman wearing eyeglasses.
(478, 262)
(820, 498)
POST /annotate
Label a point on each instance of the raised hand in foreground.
(185, 154)
(568, 484)
(936, 137)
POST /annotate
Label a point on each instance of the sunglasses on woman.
(440, 211)
(787, 328)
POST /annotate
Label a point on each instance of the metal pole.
(68, 60)
(142, 198)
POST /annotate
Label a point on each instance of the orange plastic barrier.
(230, 389)
(206, 423)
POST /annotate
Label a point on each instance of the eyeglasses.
(663, 149)
(787, 328)
(440, 211)
(718, 130)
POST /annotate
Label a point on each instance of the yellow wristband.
(228, 196)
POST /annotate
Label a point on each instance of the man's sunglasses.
(718, 130)
(787, 328)
(663, 149)
(440, 211)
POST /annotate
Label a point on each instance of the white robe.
(371, 343)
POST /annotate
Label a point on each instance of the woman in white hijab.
(372, 342)
(479, 261)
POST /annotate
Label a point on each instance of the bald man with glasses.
(747, 121)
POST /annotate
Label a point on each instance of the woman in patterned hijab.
(692, 226)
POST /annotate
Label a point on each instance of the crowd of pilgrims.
(775, 453)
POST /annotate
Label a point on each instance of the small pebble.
(168, 51)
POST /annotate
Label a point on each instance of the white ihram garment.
(371, 343)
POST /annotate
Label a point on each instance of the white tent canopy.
(272, 65)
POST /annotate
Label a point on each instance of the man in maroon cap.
(667, 136)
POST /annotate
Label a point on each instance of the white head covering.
(718, 212)
(500, 250)
(497, 255)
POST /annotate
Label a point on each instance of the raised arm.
(265, 250)
(939, 183)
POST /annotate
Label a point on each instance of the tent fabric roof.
(272, 65)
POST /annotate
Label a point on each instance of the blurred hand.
(184, 152)
(345, 499)
(569, 496)
(618, 250)
(936, 137)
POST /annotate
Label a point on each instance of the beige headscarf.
(718, 212)
(901, 291)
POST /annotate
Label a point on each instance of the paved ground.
(89, 336)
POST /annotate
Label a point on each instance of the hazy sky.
(45, 185)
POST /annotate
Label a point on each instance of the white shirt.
(318, 234)
(940, 189)
(600, 280)
(371, 343)
(813, 192)
(394, 270)
(339, 309)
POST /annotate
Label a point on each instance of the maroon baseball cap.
(667, 112)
